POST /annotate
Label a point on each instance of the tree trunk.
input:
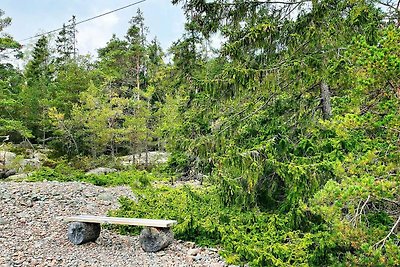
(138, 77)
(147, 137)
(112, 148)
(81, 233)
(326, 101)
(44, 138)
(155, 239)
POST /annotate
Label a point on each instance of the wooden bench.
(155, 235)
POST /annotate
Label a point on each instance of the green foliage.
(255, 237)
(64, 173)
(258, 238)
(11, 82)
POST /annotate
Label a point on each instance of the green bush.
(262, 239)
(65, 173)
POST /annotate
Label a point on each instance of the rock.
(6, 164)
(81, 233)
(101, 170)
(32, 164)
(154, 157)
(40, 156)
(190, 244)
(23, 214)
(189, 259)
(193, 251)
(197, 258)
(153, 239)
(2, 221)
(6, 173)
(213, 250)
(7, 158)
(105, 197)
(20, 176)
(10, 162)
(10, 172)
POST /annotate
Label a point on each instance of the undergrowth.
(250, 236)
(64, 173)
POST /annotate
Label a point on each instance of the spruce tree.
(11, 81)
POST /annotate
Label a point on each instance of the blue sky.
(31, 17)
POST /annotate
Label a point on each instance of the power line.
(83, 21)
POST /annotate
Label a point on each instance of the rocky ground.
(33, 233)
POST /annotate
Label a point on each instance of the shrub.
(262, 239)
(65, 173)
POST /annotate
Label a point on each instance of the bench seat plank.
(124, 221)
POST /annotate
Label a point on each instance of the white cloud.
(95, 34)
(217, 40)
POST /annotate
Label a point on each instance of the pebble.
(193, 251)
(37, 234)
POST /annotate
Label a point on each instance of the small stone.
(213, 250)
(100, 170)
(105, 197)
(190, 244)
(193, 251)
(189, 259)
(197, 257)
(217, 264)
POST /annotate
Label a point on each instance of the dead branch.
(382, 242)
(391, 201)
(5, 139)
(359, 211)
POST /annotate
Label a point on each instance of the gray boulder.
(153, 157)
(18, 177)
(7, 173)
(7, 158)
(155, 239)
(34, 164)
(6, 164)
(81, 233)
(101, 170)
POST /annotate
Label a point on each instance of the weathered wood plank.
(123, 221)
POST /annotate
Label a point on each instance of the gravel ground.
(32, 232)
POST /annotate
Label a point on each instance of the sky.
(30, 17)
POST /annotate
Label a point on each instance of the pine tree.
(39, 92)
(11, 81)
(66, 43)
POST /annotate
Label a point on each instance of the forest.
(291, 126)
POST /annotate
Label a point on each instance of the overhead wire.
(83, 21)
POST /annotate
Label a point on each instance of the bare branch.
(391, 201)
(382, 242)
(359, 212)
